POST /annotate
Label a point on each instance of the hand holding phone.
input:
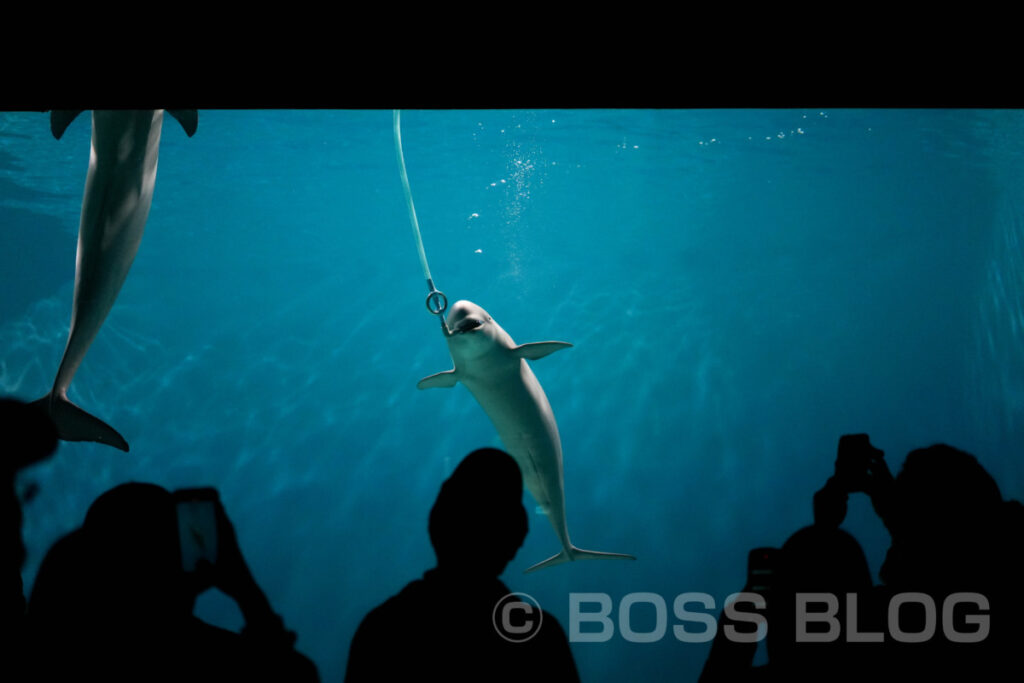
(856, 460)
(211, 556)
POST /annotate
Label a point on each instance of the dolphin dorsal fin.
(537, 350)
(60, 119)
(188, 118)
(442, 380)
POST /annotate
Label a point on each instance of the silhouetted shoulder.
(431, 626)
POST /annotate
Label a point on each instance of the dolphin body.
(115, 205)
(494, 369)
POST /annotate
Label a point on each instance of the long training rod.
(436, 300)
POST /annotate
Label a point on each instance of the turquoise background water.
(741, 288)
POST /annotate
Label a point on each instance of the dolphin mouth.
(467, 325)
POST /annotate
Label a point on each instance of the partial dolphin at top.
(60, 119)
(494, 369)
(118, 193)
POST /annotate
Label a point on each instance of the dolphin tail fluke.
(577, 554)
(60, 119)
(74, 424)
(188, 118)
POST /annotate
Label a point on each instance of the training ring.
(437, 302)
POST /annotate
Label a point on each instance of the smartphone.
(853, 459)
(197, 526)
(761, 563)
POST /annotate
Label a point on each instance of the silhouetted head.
(27, 435)
(478, 522)
(942, 485)
(116, 579)
(815, 559)
(946, 510)
(132, 533)
(823, 559)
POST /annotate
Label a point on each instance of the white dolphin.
(495, 371)
(115, 205)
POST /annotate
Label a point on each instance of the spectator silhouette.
(942, 500)
(112, 601)
(951, 532)
(443, 625)
(27, 436)
(815, 559)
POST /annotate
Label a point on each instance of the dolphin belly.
(521, 414)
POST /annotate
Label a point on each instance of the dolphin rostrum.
(115, 205)
(495, 371)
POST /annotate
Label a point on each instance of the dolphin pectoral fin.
(60, 119)
(444, 380)
(188, 118)
(537, 350)
(574, 554)
(74, 424)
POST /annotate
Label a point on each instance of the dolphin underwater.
(494, 369)
(115, 205)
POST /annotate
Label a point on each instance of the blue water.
(741, 287)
